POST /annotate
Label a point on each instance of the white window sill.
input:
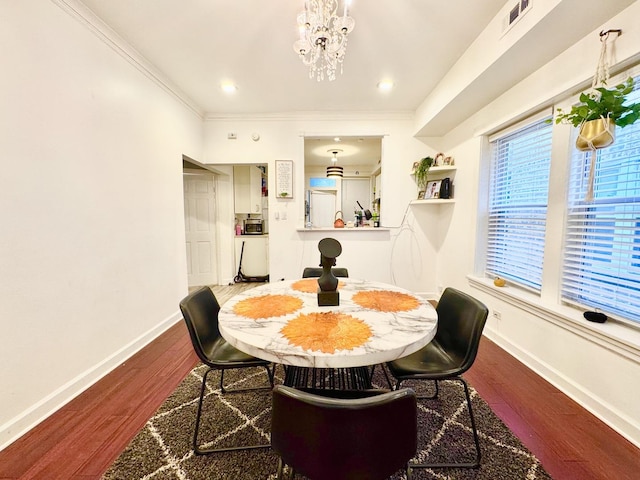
(617, 336)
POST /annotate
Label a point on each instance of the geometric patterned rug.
(162, 450)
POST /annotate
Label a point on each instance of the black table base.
(357, 378)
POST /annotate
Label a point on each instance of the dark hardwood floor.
(82, 439)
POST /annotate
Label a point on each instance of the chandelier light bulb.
(323, 37)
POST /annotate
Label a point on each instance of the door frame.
(189, 165)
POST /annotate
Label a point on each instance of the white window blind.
(518, 191)
(602, 238)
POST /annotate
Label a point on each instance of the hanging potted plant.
(420, 172)
(598, 113)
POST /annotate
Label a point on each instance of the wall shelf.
(441, 169)
(437, 174)
(432, 201)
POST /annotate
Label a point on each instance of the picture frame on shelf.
(433, 189)
(421, 195)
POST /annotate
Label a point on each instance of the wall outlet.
(232, 135)
(497, 315)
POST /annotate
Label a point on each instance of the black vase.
(445, 188)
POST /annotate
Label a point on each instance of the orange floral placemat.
(310, 285)
(267, 306)
(386, 301)
(326, 332)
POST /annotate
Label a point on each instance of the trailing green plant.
(421, 172)
(606, 103)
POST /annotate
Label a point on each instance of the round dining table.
(282, 322)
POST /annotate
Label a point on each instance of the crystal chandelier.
(323, 37)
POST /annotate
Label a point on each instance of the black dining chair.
(343, 434)
(461, 319)
(200, 311)
(309, 272)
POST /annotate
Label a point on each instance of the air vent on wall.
(516, 12)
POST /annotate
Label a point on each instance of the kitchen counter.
(346, 229)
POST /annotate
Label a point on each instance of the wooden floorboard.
(570, 442)
(84, 437)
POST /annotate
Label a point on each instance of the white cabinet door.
(247, 189)
(255, 259)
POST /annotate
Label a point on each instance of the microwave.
(253, 226)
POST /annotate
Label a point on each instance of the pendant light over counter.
(334, 170)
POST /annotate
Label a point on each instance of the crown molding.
(109, 37)
(313, 115)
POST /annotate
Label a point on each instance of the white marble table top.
(374, 323)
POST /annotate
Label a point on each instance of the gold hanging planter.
(596, 134)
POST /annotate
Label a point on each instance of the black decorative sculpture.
(328, 294)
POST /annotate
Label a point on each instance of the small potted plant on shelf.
(421, 171)
(599, 112)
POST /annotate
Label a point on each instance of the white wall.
(586, 361)
(92, 250)
(406, 254)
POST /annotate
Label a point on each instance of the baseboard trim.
(31, 417)
(584, 398)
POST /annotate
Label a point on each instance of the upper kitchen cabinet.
(247, 189)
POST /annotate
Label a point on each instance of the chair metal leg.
(205, 451)
(431, 397)
(419, 397)
(476, 462)
(281, 468)
(270, 374)
(279, 472)
(409, 472)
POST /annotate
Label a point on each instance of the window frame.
(536, 212)
(601, 290)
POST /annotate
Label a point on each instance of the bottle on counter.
(358, 220)
(238, 228)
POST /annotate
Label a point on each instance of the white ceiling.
(352, 152)
(199, 44)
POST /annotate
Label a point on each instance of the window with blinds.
(602, 238)
(518, 191)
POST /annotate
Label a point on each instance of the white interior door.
(200, 223)
(322, 208)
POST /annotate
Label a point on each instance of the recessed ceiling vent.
(516, 12)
